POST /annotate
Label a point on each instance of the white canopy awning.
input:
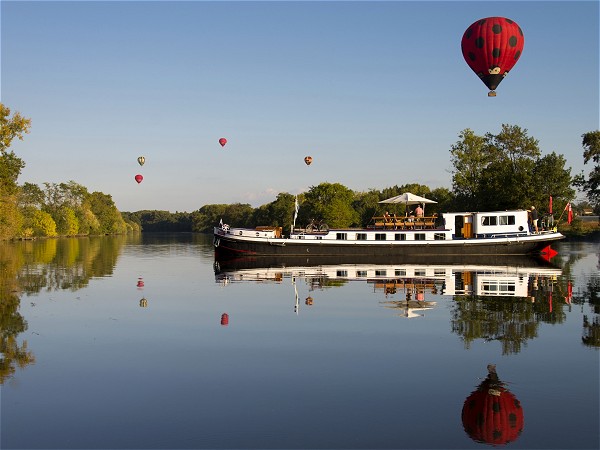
(408, 199)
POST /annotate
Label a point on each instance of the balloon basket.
(492, 94)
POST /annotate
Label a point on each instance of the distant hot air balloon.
(139, 178)
(491, 47)
(308, 160)
(141, 160)
(222, 141)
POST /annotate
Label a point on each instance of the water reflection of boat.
(481, 276)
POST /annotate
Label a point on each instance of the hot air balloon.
(492, 414)
(491, 47)
(222, 141)
(139, 178)
(308, 160)
(141, 160)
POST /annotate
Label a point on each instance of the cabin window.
(507, 220)
(400, 272)
(501, 287)
(400, 236)
(380, 236)
(381, 273)
(439, 272)
(361, 273)
(342, 273)
(341, 236)
(439, 236)
(361, 236)
(419, 236)
(489, 220)
(420, 273)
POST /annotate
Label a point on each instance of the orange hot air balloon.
(308, 160)
(222, 141)
(139, 178)
(141, 160)
(491, 47)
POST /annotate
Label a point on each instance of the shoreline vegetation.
(491, 172)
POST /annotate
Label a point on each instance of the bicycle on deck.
(316, 225)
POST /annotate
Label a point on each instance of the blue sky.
(376, 92)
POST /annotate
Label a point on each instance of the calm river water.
(142, 342)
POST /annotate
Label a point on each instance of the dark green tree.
(591, 186)
(551, 178)
(470, 159)
(366, 205)
(279, 212)
(109, 218)
(506, 171)
(209, 216)
(331, 202)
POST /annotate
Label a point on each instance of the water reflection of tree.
(510, 320)
(590, 294)
(506, 319)
(50, 264)
(591, 326)
(66, 264)
(12, 323)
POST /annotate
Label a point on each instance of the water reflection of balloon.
(492, 414)
(308, 160)
(141, 160)
(140, 282)
(139, 178)
(224, 319)
(491, 47)
(222, 141)
(143, 303)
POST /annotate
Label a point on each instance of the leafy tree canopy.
(591, 153)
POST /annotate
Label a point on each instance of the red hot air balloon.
(139, 178)
(492, 414)
(308, 160)
(491, 47)
(222, 141)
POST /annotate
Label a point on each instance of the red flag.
(569, 213)
(550, 206)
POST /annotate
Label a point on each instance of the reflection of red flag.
(569, 292)
(550, 206)
(569, 213)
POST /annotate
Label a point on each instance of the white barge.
(450, 235)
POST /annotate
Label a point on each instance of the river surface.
(143, 342)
